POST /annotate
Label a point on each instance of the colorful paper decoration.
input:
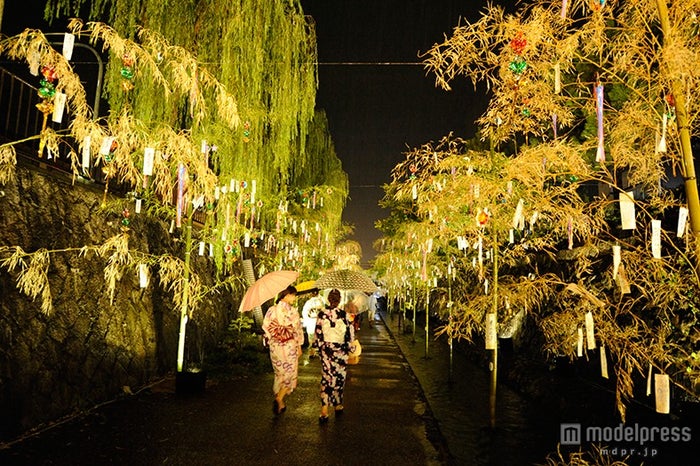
(564, 6)
(519, 216)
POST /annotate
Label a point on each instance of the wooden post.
(493, 364)
(185, 292)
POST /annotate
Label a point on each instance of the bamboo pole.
(427, 315)
(691, 186)
(449, 338)
(493, 366)
(185, 292)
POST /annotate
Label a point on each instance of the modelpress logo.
(624, 439)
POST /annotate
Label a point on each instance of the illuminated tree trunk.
(184, 306)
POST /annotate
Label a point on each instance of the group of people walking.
(333, 339)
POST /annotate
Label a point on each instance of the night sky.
(378, 112)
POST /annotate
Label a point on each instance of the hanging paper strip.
(627, 215)
(656, 239)
(491, 333)
(148, 158)
(201, 248)
(590, 335)
(616, 259)
(557, 77)
(424, 267)
(137, 208)
(603, 362)
(519, 216)
(564, 5)
(579, 343)
(570, 233)
(663, 394)
(181, 177)
(554, 125)
(661, 145)
(59, 104)
(143, 276)
(622, 280)
(682, 221)
(68, 43)
(600, 155)
(649, 380)
(85, 163)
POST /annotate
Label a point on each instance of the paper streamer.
(137, 208)
(68, 43)
(579, 343)
(603, 362)
(414, 192)
(590, 335)
(663, 393)
(649, 380)
(627, 215)
(661, 145)
(656, 239)
(564, 5)
(570, 233)
(491, 334)
(600, 154)
(59, 104)
(682, 221)
(617, 258)
(148, 158)
(519, 216)
(554, 125)
(85, 163)
(201, 248)
(106, 146)
(143, 276)
(181, 177)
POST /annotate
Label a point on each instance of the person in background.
(308, 315)
(285, 335)
(333, 340)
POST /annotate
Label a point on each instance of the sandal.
(339, 410)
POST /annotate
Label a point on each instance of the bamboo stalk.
(691, 186)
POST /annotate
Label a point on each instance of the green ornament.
(526, 112)
(127, 72)
(46, 92)
(125, 222)
(518, 66)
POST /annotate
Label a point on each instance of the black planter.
(190, 383)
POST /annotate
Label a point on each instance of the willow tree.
(583, 111)
(265, 54)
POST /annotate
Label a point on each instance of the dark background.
(379, 110)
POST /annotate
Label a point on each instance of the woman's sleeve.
(298, 330)
(318, 332)
(267, 320)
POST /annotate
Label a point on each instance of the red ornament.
(518, 43)
(670, 100)
(49, 73)
(127, 60)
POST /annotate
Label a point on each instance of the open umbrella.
(359, 302)
(306, 287)
(346, 280)
(267, 287)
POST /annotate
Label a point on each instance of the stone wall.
(88, 349)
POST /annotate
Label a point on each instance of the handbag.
(355, 351)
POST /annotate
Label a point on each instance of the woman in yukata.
(333, 339)
(285, 336)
